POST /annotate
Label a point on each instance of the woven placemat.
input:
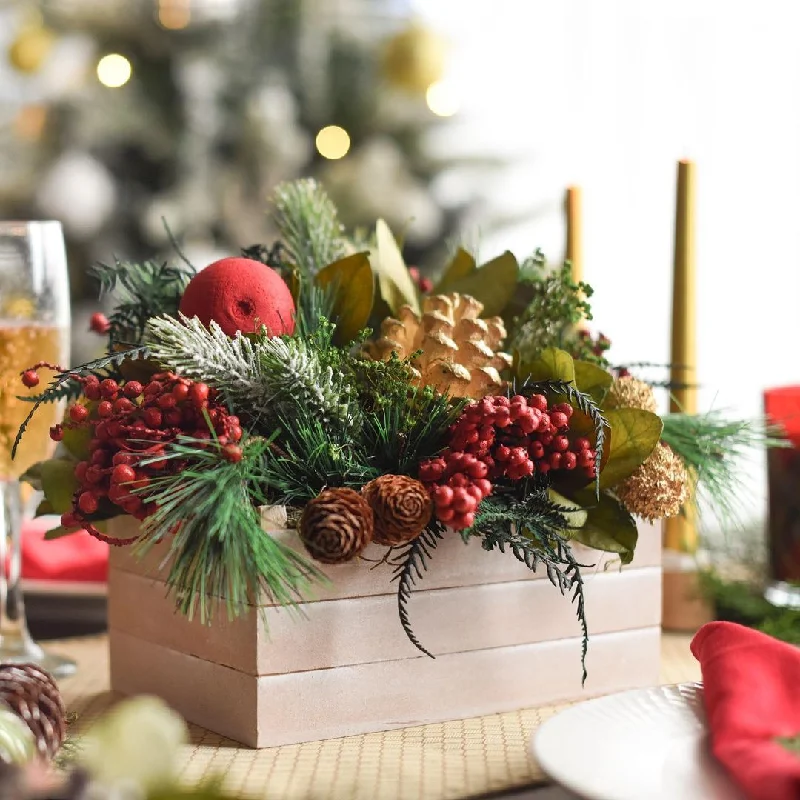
(467, 758)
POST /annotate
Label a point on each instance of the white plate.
(646, 744)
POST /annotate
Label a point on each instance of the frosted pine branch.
(309, 225)
(207, 354)
(296, 377)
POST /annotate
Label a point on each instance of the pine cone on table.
(401, 508)
(33, 695)
(336, 525)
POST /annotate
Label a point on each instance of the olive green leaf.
(58, 483)
(461, 265)
(493, 284)
(394, 280)
(634, 435)
(608, 525)
(354, 287)
(592, 380)
(551, 365)
(576, 516)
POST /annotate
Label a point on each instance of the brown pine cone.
(401, 507)
(33, 695)
(336, 526)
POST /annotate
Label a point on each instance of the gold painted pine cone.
(336, 525)
(460, 352)
(630, 392)
(401, 508)
(32, 694)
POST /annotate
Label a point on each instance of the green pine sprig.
(714, 449)
(144, 290)
(207, 512)
(309, 225)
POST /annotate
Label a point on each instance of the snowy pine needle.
(263, 376)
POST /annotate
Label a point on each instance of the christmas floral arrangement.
(322, 383)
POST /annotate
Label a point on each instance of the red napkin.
(751, 686)
(78, 557)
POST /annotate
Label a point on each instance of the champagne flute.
(34, 326)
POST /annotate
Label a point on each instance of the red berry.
(99, 458)
(568, 460)
(80, 470)
(173, 418)
(465, 505)
(443, 496)
(459, 493)
(484, 485)
(232, 453)
(542, 467)
(536, 450)
(78, 413)
(69, 520)
(581, 444)
(477, 470)
(104, 409)
(109, 388)
(167, 401)
(502, 417)
(518, 455)
(458, 480)
(560, 443)
(538, 401)
(475, 492)
(131, 505)
(445, 513)
(123, 406)
(56, 433)
(555, 460)
(152, 417)
(235, 433)
(502, 453)
(94, 474)
(559, 419)
(465, 521)
(180, 391)
(99, 323)
(123, 473)
(199, 393)
(133, 389)
(87, 503)
(30, 378)
(564, 408)
(153, 388)
(92, 391)
(586, 458)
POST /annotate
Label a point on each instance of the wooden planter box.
(504, 638)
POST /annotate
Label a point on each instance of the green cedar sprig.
(535, 529)
(410, 564)
(220, 554)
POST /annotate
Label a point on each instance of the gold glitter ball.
(658, 489)
(630, 392)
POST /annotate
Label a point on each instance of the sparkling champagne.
(21, 345)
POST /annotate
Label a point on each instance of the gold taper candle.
(680, 533)
(572, 207)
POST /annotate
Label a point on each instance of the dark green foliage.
(220, 552)
(744, 602)
(400, 435)
(145, 289)
(535, 529)
(410, 564)
(306, 456)
(64, 385)
(315, 305)
(556, 307)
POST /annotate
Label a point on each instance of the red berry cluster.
(99, 323)
(501, 438)
(131, 426)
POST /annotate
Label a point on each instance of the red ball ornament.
(240, 295)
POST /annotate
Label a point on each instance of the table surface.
(460, 759)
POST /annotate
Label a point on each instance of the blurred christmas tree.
(121, 113)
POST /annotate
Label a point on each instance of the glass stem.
(13, 625)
